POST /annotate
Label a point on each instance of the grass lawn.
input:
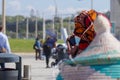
(23, 45)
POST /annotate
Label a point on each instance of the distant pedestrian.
(4, 45)
(47, 47)
(37, 46)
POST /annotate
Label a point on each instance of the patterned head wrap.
(84, 27)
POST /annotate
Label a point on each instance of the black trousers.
(47, 53)
(2, 65)
(37, 54)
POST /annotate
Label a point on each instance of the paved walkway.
(38, 70)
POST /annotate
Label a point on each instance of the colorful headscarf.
(84, 27)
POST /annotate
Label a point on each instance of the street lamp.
(44, 28)
(54, 17)
(55, 8)
(3, 17)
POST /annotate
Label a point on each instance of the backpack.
(34, 46)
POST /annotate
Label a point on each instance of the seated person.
(84, 29)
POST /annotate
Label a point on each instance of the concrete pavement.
(38, 70)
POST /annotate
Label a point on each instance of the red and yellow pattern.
(84, 27)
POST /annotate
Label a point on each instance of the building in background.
(115, 16)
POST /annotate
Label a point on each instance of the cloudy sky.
(47, 7)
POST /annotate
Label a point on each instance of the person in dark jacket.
(47, 47)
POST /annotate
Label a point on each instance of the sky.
(47, 7)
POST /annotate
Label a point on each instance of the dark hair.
(1, 27)
(37, 38)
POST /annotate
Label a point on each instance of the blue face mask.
(77, 40)
(74, 41)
